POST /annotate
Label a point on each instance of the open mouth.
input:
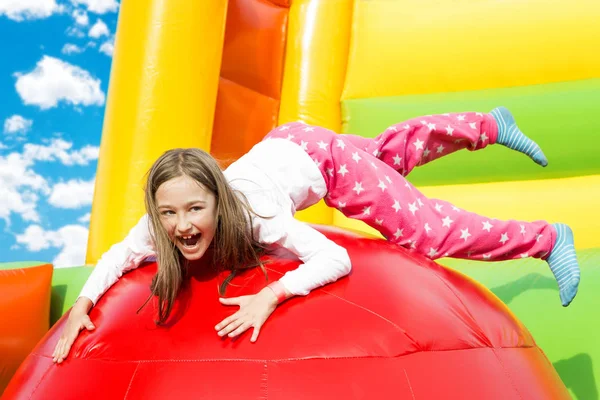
(189, 242)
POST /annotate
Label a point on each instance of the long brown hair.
(234, 245)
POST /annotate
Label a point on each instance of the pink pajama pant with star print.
(365, 181)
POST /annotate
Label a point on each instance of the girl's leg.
(418, 141)
(367, 189)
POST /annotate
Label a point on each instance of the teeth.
(187, 237)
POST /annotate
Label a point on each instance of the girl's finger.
(227, 321)
(255, 333)
(231, 301)
(232, 326)
(241, 329)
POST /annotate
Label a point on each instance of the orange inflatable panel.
(254, 45)
(242, 118)
(24, 314)
(399, 327)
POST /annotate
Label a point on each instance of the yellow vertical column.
(162, 95)
(314, 72)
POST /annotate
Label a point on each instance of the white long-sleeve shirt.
(278, 178)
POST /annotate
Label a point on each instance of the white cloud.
(17, 124)
(107, 48)
(75, 32)
(99, 29)
(80, 17)
(19, 186)
(70, 48)
(98, 6)
(60, 150)
(72, 194)
(72, 239)
(3, 146)
(85, 218)
(54, 80)
(20, 10)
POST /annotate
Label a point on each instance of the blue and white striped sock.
(563, 263)
(510, 136)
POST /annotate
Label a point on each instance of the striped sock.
(510, 136)
(563, 263)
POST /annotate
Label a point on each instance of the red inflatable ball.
(399, 326)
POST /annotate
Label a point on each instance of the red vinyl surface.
(398, 327)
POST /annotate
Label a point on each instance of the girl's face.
(188, 212)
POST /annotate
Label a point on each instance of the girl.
(193, 206)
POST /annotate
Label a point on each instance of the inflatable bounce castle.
(218, 75)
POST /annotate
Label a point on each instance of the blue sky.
(56, 59)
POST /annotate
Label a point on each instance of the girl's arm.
(120, 258)
(323, 262)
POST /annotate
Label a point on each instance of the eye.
(167, 212)
(196, 208)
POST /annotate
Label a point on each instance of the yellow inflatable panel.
(429, 46)
(573, 201)
(162, 95)
(314, 71)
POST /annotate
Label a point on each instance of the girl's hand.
(254, 311)
(78, 320)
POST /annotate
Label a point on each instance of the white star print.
(309, 129)
(426, 152)
(524, 255)
(304, 145)
(464, 234)
(431, 126)
(290, 137)
(373, 165)
(343, 171)
(397, 159)
(473, 125)
(341, 205)
(456, 208)
(393, 128)
(504, 238)
(483, 137)
(438, 207)
(487, 256)
(358, 187)
(440, 148)
(446, 114)
(367, 210)
(396, 205)
(317, 162)
(376, 153)
(419, 144)
(423, 122)
(413, 207)
(449, 130)
(487, 226)
(522, 229)
(447, 221)
(479, 114)
(460, 117)
(420, 202)
(432, 252)
(382, 185)
(412, 243)
(387, 178)
(284, 128)
(356, 157)
(379, 221)
(407, 126)
(330, 171)
(427, 227)
(322, 145)
(399, 233)
(341, 144)
(538, 236)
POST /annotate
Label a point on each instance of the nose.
(183, 224)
